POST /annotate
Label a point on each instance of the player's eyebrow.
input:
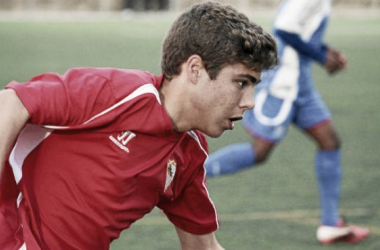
(252, 79)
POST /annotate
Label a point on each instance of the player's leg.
(314, 117)
(328, 170)
(238, 156)
(230, 159)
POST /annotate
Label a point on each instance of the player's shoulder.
(122, 81)
(114, 74)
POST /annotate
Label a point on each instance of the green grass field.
(274, 206)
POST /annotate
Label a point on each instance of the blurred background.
(272, 207)
(145, 5)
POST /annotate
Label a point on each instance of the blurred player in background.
(287, 95)
(85, 154)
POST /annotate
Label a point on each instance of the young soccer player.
(287, 95)
(87, 153)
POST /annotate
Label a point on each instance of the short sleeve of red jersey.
(52, 99)
(193, 210)
(77, 96)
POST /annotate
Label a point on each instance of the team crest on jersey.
(122, 139)
(171, 167)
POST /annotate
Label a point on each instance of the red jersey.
(99, 153)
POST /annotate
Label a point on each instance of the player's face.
(225, 99)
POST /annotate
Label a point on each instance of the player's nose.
(247, 101)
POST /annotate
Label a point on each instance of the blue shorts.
(272, 115)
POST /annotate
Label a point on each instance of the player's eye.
(242, 84)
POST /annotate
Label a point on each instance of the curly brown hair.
(221, 36)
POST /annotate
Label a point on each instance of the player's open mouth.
(234, 119)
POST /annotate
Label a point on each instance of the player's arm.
(335, 61)
(317, 53)
(191, 241)
(289, 24)
(13, 116)
(330, 59)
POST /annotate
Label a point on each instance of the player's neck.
(173, 95)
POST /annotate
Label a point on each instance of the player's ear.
(194, 68)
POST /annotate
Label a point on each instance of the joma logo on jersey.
(122, 139)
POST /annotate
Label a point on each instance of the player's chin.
(214, 135)
(215, 132)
